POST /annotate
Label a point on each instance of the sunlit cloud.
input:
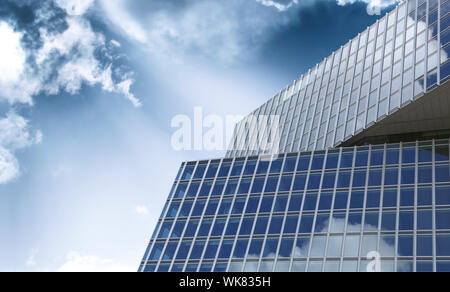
(77, 262)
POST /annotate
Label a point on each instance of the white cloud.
(15, 134)
(280, 6)
(373, 6)
(142, 211)
(75, 7)
(31, 261)
(76, 262)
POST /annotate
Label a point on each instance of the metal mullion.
(350, 195)
(329, 220)
(434, 226)
(307, 108)
(397, 225)
(299, 118)
(351, 90)
(340, 95)
(291, 123)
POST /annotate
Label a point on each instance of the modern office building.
(357, 177)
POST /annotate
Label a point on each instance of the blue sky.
(88, 89)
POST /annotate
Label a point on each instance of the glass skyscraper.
(360, 176)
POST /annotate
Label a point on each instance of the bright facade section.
(333, 210)
(389, 70)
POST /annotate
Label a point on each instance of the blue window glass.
(424, 220)
(231, 187)
(362, 159)
(426, 154)
(212, 207)
(275, 225)
(250, 167)
(178, 229)
(163, 268)
(359, 178)
(237, 168)
(193, 189)
(302, 247)
(191, 268)
(405, 245)
(205, 268)
(314, 181)
(290, 227)
(354, 222)
(218, 188)
(442, 173)
(244, 186)
(322, 222)
(200, 171)
(425, 174)
(373, 199)
(392, 156)
(329, 180)
(211, 249)
(424, 266)
(341, 201)
(371, 221)
(205, 227)
(443, 245)
(169, 253)
(241, 249)
(391, 177)
(424, 245)
(165, 229)
(299, 182)
(295, 203)
(442, 196)
(280, 204)
(406, 220)
(347, 160)
(188, 171)
(181, 190)
(303, 163)
(238, 207)
(388, 221)
(197, 250)
(409, 155)
(289, 164)
(442, 153)
(225, 249)
(310, 202)
(258, 185)
(357, 200)
(224, 169)
(286, 246)
(390, 198)
(425, 197)
(263, 167)
(445, 69)
(219, 226)
(220, 267)
(306, 224)
(285, 183)
(337, 223)
(325, 201)
(272, 183)
(377, 157)
(252, 205)
(232, 226)
(276, 166)
(443, 219)
(332, 161)
(173, 210)
(408, 175)
(255, 248)
(157, 251)
(266, 204)
(375, 177)
(317, 162)
(443, 266)
(191, 228)
(261, 225)
(183, 251)
(407, 198)
(199, 208)
(270, 250)
(205, 189)
(247, 226)
(344, 179)
(225, 207)
(212, 170)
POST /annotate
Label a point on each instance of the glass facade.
(394, 62)
(329, 210)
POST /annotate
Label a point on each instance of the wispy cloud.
(280, 5)
(77, 262)
(142, 211)
(373, 6)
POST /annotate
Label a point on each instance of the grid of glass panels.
(395, 61)
(309, 211)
